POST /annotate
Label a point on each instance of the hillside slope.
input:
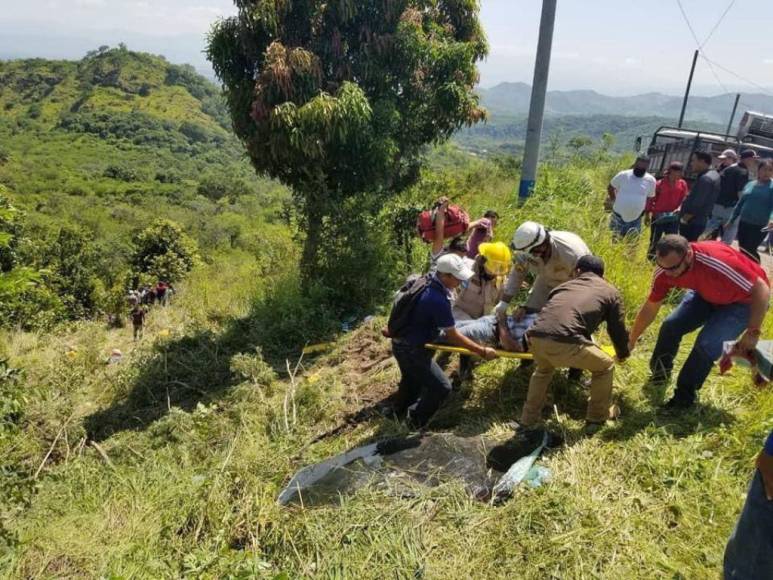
(106, 145)
(168, 464)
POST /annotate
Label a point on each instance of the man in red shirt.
(662, 210)
(728, 295)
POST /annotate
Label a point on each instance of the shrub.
(122, 172)
(164, 251)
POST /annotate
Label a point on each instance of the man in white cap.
(733, 177)
(423, 386)
(550, 256)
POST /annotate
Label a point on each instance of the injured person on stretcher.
(509, 335)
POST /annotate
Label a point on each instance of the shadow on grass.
(197, 368)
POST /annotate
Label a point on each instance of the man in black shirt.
(732, 181)
(699, 203)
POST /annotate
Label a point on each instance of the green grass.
(199, 444)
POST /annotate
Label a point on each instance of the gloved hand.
(501, 308)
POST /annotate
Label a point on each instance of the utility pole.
(537, 107)
(732, 115)
(687, 92)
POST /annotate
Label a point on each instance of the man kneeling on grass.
(561, 337)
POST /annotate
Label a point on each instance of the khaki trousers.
(550, 355)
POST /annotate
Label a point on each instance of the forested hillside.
(162, 457)
(92, 152)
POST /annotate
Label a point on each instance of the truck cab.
(670, 144)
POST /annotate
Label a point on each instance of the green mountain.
(580, 114)
(107, 145)
(512, 99)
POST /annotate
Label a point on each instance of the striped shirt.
(719, 274)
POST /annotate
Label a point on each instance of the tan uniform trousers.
(550, 355)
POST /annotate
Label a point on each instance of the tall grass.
(184, 482)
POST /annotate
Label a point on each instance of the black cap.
(748, 154)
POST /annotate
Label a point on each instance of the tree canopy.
(339, 98)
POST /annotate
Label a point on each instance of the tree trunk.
(310, 256)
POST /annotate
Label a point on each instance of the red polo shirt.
(668, 197)
(719, 274)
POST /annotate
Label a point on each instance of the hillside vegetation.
(168, 463)
(101, 148)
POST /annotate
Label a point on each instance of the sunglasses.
(673, 268)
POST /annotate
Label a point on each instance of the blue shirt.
(756, 204)
(769, 444)
(431, 313)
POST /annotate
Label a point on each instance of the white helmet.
(527, 236)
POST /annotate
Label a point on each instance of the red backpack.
(457, 222)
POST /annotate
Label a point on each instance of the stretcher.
(460, 350)
(500, 353)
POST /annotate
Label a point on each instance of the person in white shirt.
(629, 191)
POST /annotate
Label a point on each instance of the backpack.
(403, 304)
(457, 222)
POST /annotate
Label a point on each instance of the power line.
(739, 77)
(687, 20)
(721, 18)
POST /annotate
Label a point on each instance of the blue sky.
(613, 46)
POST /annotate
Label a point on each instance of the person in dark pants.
(755, 209)
(733, 180)
(662, 210)
(728, 296)
(699, 204)
(423, 386)
(749, 552)
(138, 313)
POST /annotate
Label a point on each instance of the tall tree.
(337, 98)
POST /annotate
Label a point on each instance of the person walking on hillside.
(481, 231)
(137, 315)
(423, 386)
(732, 180)
(662, 210)
(438, 249)
(728, 295)
(562, 337)
(749, 552)
(754, 210)
(699, 204)
(630, 190)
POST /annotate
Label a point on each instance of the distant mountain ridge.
(512, 99)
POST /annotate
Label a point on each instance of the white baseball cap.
(728, 153)
(456, 266)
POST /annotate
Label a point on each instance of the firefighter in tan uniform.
(550, 256)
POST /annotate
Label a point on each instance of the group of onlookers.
(141, 299)
(723, 203)
(465, 301)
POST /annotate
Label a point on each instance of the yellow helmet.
(498, 257)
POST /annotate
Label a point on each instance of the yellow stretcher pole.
(460, 350)
(501, 353)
